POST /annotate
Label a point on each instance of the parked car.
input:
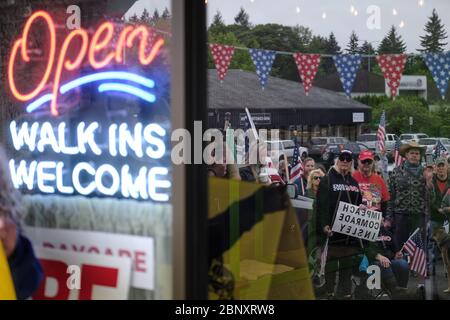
(409, 137)
(332, 151)
(318, 144)
(370, 140)
(430, 143)
(285, 147)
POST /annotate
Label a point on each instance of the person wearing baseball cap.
(338, 185)
(374, 191)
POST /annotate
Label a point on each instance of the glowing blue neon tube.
(110, 75)
(120, 87)
(39, 102)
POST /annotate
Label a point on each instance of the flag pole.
(286, 168)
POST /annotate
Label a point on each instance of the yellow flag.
(263, 255)
(7, 291)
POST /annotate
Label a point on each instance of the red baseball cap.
(366, 154)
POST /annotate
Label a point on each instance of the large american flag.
(381, 134)
(398, 159)
(439, 150)
(414, 247)
(296, 166)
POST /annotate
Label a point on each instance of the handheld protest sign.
(7, 291)
(356, 222)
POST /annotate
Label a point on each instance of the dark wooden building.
(283, 105)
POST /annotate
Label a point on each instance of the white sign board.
(139, 249)
(359, 223)
(358, 117)
(72, 275)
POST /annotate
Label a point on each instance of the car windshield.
(341, 140)
(368, 137)
(421, 136)
(445, 141)
(316, 141)
(353, 147)
(406, 136)
(427, 142)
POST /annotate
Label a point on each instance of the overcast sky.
(339, 18)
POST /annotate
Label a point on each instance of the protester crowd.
(415, 204)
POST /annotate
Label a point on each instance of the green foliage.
(242, 18)
(367, 49)
(435, 35)
(445, 131)
(392, 43)
(241, 58)
(398, 112)
(353, 45)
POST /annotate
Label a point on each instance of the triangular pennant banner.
(439, 66)
(347, 67)
(263, 61)
(307, 65)
(392, 66)
(222, 55)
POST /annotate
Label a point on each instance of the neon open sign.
(117, 140)
(99, 45)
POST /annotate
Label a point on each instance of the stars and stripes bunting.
(222, 55)
(381, 134)
(439, 66)
(307, 65)
(347, 67)
(392, 66)
(263, 61)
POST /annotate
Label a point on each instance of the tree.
(145, 17)
(134, 19)
(367, 49)
(435, 35)
(166, 14)
(392, 43)
(242, 18)
(156, 16)
(218, 25)
(331, 47)
(353, 45)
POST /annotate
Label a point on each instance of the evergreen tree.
(353, 45)
(435, 35)
(166, 14)
(331, 47)
(156, 16)
(145, 17)
(392, 43)
(218, 25)
(134, 19)
(242, 18)
(367, 49)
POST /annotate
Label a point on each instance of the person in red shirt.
(375, 194)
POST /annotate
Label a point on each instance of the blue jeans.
(399, 269)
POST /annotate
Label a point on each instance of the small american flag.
(381, 134)
(414, 247)
(296, 165)
(398, 159)
(439, 150)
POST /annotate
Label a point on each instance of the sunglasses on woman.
(345, 157)
(367, 161)
(317, 178)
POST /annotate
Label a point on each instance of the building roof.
(242, 89)
(365, 82)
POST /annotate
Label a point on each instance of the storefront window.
(86, 121)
